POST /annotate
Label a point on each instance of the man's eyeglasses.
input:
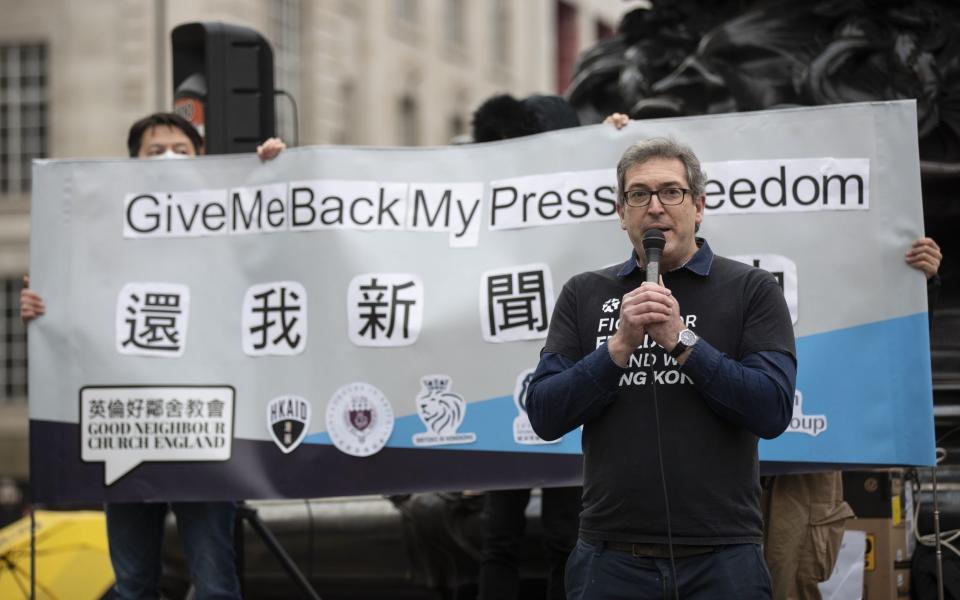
(668, 196)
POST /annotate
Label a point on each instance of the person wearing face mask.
(135, 529)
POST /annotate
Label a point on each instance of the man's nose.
(655, 206)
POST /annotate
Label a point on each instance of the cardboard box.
(886, 573)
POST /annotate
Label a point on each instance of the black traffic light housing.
(223, 84)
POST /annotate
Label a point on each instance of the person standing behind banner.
(804, 513)
(672, 404)
(504, 513)
(135, 529)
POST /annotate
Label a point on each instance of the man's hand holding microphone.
(649, 309)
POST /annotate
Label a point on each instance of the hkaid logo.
(359, 419)
(288, 418)
(442, 412)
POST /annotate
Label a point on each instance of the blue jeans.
(735, 571)
(135, 533)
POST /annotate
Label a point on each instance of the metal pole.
(936, 535)
(249, 514)
(161, 99)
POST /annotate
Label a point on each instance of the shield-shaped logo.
(361, 418)
(288, 418)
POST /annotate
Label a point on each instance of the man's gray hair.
(661, 147)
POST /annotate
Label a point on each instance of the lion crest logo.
(441, 412)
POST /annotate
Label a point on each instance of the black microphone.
(653, 243)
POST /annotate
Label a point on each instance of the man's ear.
(623, 225)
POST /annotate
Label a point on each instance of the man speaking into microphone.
(702, 364)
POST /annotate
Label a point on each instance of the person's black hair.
(135, 137)
(551, 112)
(504, 117)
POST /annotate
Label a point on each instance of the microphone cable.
(666, 497)
(653, 245)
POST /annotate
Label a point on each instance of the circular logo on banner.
(359, 419)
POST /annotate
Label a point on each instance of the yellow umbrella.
(72, 557)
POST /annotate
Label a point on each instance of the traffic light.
(223, 84)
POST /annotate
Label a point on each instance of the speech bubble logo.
(125, 426)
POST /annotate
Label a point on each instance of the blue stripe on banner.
(865, 391)
(870, 387)
(492, 422)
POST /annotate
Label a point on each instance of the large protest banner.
(362, 320)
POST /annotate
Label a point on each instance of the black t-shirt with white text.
(711, 465)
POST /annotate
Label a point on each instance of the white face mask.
(169, 154)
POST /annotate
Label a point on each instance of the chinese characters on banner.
(383, 310)
(275, 319)
(152, 319)
(516, 303)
